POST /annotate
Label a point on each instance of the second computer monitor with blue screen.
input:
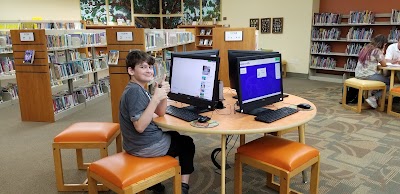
(260, 82)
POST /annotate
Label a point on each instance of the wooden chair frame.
(390, 103)
(361, 91)
(284, 175)
(138, 187)
(102, 146)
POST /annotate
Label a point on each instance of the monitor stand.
(196, 109)
(255, 112)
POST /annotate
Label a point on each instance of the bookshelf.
(149, 40)
(204, 35)
(8, 87)
(60, 56)
(336, 40)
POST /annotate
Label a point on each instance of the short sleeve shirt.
(134, 101)
(370, 66)
(393, 52)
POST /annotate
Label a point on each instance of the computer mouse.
(304, 106)
(203, 119)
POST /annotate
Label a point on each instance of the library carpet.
(360, 153)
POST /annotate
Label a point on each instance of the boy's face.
(142, 72)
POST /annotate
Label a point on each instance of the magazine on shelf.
(113, 57)
(29, 56)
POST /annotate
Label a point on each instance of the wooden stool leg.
(118, 141)
(359, 103)
(238, 175)
(390, 103)
(58, 168)
(344, 95)
(104, 152)
(270, 182)
(177, 180)
(242, 139)
(382, 100)
(284, 183)
(92, 184)
(79, 159)
(314, 178)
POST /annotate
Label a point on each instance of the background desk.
(231, 122)
(392, 74)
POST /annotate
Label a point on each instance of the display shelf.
(34, 80)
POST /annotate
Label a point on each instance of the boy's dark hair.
(137, 57)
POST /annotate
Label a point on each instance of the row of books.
(394, 34)
(65, 70)
(320, 47)
(9, 92)
(350, 64)
(51, 25)
(162, 38)
(206, 42)
(359, 34)
(6, 65)
(327, 18)
(323, 62)
(64, 101)
(363, 17)
(205, 31)
(395, 17)
(5, 38)
(354, 48)
(321, 33)
(75, 40)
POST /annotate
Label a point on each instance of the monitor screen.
(260, 81)
(194, 80)
(232, 60)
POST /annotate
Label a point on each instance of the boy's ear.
(131, 71)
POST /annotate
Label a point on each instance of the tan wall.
(47, 9)
(294, 42)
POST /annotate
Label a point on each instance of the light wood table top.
(231, 122)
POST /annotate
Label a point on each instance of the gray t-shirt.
(153, 141)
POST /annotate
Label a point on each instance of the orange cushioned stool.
(278, 156)
(124, 173)
(394, 92)
(84, 135)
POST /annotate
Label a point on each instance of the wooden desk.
(231, 122)
(392, 74)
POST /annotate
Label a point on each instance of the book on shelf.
(208, 32)
(202, 32)
(29, 56)
(201, 42)
(205, 42)
(113, 57)
(210, 43)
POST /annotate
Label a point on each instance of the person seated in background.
(370, 56)
(393, 56)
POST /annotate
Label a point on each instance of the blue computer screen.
(260, 78)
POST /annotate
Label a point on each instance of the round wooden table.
(232, 122)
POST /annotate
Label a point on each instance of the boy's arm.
(147, 116)
(162, 106)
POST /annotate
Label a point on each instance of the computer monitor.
(260, 82)
(194, 81)
(211, 53)
(232, 60)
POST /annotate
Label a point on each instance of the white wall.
(47, 9)
(294, 42)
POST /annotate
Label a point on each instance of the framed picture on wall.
(277, 25)
(265, 25)
(254, 22)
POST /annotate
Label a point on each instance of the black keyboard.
(274, 115)
(183, 114)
